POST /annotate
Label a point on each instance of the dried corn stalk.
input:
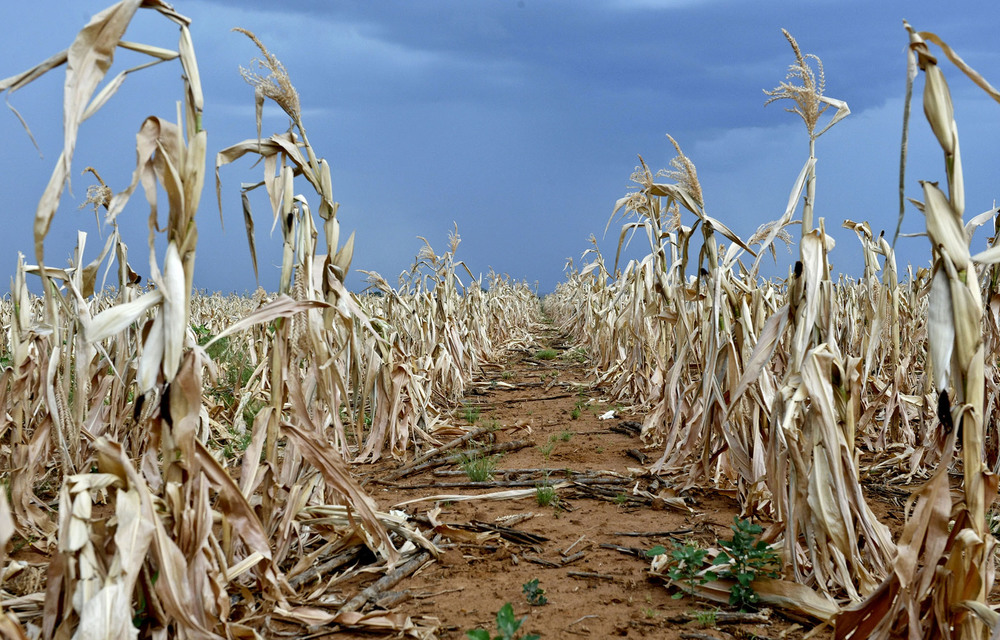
(944, 569)
(81, 358)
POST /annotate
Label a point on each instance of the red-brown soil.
(553, 402)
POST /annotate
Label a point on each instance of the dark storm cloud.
(521, 121)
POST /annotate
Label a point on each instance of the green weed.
(685, 566)
(546, 450)
(507, 626)
(534, 594)
(237, 444)
(545, 494)
(707, 619)
(471, 414)
(746, 558)
(479, 468)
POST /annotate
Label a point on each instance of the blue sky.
(518, 120)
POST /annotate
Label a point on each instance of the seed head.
(683, 173)
(764, 230)
(805, 95)
(275, 84)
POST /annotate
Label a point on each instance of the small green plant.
(993, 522)
(20, 542)
(649, 612)
(578, 355)
(471, 414)
(706, 619)
(575, 413)
(545, 494)
(546, 450)
(507, 625)
(202, 333)
(621, 499)
(534, 594)
(507, 375)
(251, 409)
(565, 436)
(235, 366)
(746, 558)
(546, 354)
(685, 566)
(237, 444)
(478, 468)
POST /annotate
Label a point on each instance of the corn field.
(186, 460)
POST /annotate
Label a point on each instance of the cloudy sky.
(520, 121)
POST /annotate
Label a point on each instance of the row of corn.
(793, 390)
(182, 457)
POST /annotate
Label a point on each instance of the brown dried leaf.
(87, 62)
(248, 224)
(281, 307)
(233, 506)
(318, 452)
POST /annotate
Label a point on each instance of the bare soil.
(589, 556)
